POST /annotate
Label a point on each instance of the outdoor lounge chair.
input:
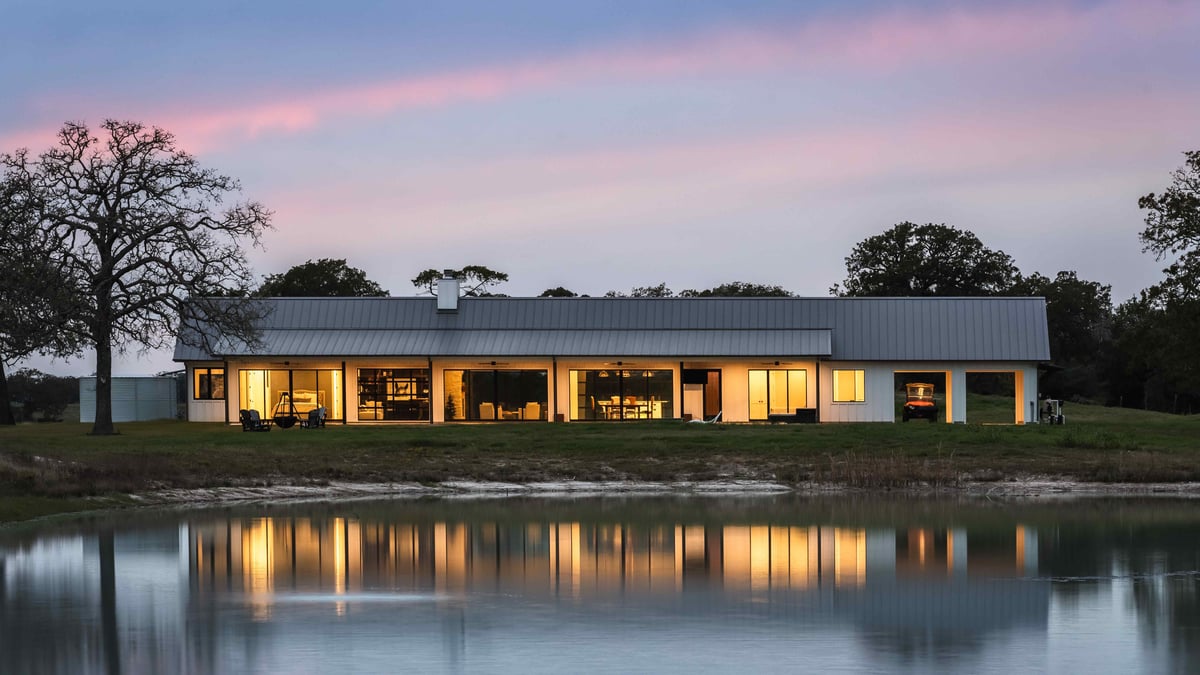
(716, 418)
(315, 419)
(252, 422)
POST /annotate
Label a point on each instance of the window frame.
(206, 373)
(860, 385)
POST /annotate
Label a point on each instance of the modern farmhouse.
(449, 359)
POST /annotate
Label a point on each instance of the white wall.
(207, 410)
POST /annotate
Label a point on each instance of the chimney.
(447, 292)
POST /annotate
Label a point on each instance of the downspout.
(554, 392)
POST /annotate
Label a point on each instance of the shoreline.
(1025, 488)
(1029, 489)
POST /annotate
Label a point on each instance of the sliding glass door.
(291, 392)
(491, 395)
(777, 392)
(624, 394)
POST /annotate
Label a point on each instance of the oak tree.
(738, 289)
(926, 260)
(324, 278)
(37, 301)
(146, 238)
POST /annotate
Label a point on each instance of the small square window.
(849, 386)
(208, 384)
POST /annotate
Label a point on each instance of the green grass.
(46, 464)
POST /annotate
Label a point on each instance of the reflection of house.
(540, 359)
(343, 555)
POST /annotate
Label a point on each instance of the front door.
(701, 393)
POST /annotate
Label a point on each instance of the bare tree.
(146, 239)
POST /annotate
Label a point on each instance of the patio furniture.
(533, 410)
(487, 411)
(252, 422)
(315, 419)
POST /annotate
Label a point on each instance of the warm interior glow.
(849, 386)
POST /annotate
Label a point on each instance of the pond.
(610, 584)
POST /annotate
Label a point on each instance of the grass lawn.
(51, 467)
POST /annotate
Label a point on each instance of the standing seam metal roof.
(848, 329)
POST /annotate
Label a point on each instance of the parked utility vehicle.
(1052, 412)
(918, 402)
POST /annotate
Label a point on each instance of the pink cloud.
(620, 189)
(881, 43)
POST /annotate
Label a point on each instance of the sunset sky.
(600, 145)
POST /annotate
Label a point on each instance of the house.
(450, 359)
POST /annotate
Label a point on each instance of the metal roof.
(901, 329)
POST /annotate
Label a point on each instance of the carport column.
(1027, 395)
(958, 396)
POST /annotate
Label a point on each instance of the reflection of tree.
(108, 602)
(1168, 607)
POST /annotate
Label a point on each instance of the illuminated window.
(849, 386)
(208, 384)
(495, 395)
(393, 393)
(777, 392)
(622, 394)
(291, 392)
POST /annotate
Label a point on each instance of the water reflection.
(504, 585)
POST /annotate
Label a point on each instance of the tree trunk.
(6, 416)
(103, 425)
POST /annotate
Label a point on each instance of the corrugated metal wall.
(134, 399)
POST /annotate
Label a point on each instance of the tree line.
(116, 239)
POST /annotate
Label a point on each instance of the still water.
(632, 584)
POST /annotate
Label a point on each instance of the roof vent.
(447, 292)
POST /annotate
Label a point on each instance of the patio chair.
(315, 420)
(487, 411)
(252, 422)
(533, 410)
(715, 418)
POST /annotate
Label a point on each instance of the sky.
(599, 145)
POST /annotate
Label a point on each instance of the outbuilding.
(134, 399)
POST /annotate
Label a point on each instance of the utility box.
(134, 399)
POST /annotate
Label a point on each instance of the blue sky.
(600, 145)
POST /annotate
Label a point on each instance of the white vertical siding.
(879, 405)
(133, 399)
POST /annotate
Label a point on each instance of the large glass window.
(849, 386)
(507, 395)
(393, 394)
(777, 392)
(622, 394)
(208, 384)
(297, 392)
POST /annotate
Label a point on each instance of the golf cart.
(1051, 411)
(918, 402)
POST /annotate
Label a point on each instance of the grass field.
(51, 467)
